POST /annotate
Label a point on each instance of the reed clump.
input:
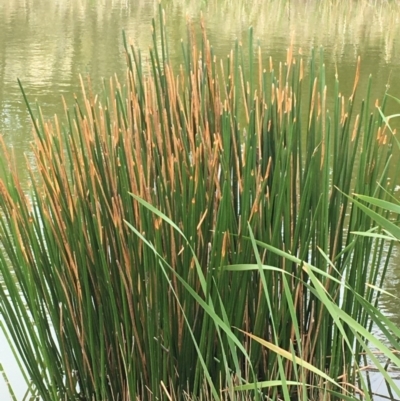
(189, 231)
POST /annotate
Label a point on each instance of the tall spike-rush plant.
(227, 150)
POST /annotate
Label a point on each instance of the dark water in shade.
(48, 43)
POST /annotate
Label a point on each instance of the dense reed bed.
(189, 232)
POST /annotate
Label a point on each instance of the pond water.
(48, 43)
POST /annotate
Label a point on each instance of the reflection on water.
(48, 43)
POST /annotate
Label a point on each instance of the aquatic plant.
(189, 232)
